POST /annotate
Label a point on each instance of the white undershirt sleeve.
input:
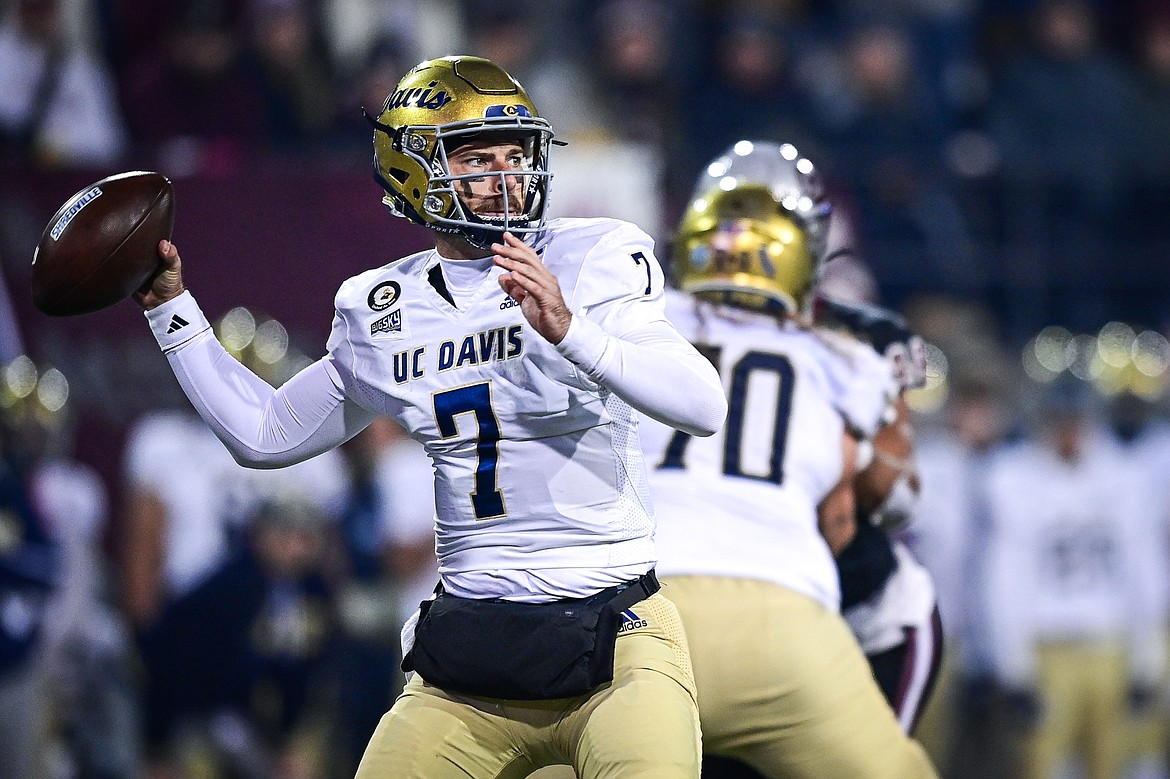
(652, 368)
(262, 426)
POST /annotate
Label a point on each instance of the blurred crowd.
(1001, 167)
(241, 624)
(1009, 150)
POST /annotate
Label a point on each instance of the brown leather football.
(102, 244)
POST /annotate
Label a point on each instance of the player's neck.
(452, 247)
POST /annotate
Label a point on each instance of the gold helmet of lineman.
(754, 233)
(437, 106)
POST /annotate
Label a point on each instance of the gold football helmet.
(439, 104)
(754, 232)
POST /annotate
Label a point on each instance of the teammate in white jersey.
(516, 352)
(1074, 590)
(752, 516)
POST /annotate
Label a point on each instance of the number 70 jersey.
(744, 502)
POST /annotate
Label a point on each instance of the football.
(102, 245)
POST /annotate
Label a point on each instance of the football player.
(887, 596)
(517, 352)
(751, 517)
(1074, 590)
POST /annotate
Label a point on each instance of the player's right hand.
(167, 283)
(534, 287)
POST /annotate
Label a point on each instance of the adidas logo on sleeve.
(177, 322)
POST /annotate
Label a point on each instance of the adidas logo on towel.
(177, 323)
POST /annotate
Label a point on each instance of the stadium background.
(975, 158)
(1003, 165)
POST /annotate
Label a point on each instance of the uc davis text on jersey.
(494, 345)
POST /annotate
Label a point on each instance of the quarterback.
(517, 352)
(752, 517)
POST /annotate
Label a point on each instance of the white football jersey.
(537, 467)
(744, 501)
(1074, 554)
(408, 517)
(905, 600)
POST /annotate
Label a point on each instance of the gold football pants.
(644, 724)
(784, 687)
(1082, 690)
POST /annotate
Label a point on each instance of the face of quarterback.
(485, 196)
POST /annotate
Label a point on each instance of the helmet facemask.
(449, 207)
(438, 107)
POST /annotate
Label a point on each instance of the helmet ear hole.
(399, 175)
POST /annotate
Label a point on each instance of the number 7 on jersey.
(486, 498)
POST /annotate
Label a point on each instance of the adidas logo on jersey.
(177, 323)
(631, 621)
(509, 302)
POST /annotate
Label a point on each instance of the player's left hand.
(534, 287)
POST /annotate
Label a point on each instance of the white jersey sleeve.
(620, 337)
(261, 426)
(1009, 570)
(1147, 574)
